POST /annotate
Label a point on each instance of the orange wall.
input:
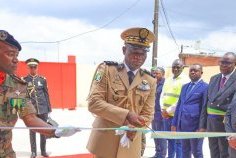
(61, 79)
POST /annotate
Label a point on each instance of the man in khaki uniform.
(122, 94)
(14, 99)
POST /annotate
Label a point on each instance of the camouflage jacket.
(14, 102)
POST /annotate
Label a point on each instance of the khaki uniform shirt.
(110, 99)
(13, 102)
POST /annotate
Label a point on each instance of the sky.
(43, 27)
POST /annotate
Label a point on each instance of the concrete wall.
(207, 72)
(84, 75)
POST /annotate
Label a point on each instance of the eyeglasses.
(136, 47)
(225, 62)
(176, 67)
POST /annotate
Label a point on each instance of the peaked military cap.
(138, 36)
(32, 61)
(9, 39)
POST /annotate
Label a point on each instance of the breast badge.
(16, 104)
(144, 86)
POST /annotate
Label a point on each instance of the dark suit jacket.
(157, 114)
(230, 117)
(219, 99)
(189, 107)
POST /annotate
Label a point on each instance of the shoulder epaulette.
(119, 66)
(18, 79)
(42, 77)
(110, 63)
(144, 71)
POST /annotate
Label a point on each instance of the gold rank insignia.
(143, 34)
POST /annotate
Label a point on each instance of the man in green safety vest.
(169, 98)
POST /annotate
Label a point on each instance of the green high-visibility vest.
(171, 92)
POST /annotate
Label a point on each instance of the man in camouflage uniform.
(122, 95)
(38, 92)
(14, 100)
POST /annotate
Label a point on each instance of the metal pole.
(155, 23)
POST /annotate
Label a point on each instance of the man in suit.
(191, 102)
(157, 123)
(122, 95)
(38, 92)
(230, 126)
(220, 94)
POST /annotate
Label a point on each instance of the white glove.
(231, 138)
(124, 141)
(66, 131)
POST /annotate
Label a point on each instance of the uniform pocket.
(117, 94)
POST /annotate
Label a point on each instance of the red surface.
(71, 59)
(61, 79)
(75, 156)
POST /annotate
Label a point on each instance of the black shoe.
(44, 154)
(33, 155)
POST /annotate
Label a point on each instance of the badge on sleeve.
(144, 86)
(98, 76)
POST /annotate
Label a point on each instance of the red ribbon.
(2, 77)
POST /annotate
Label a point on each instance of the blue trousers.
(174, 146)
(192, 146)
(160, 144)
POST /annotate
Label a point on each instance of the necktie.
(222, 82)
(190, 88)
(131, 76)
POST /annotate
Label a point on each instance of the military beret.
(138, 36)
(9, 39)
(32, 61)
